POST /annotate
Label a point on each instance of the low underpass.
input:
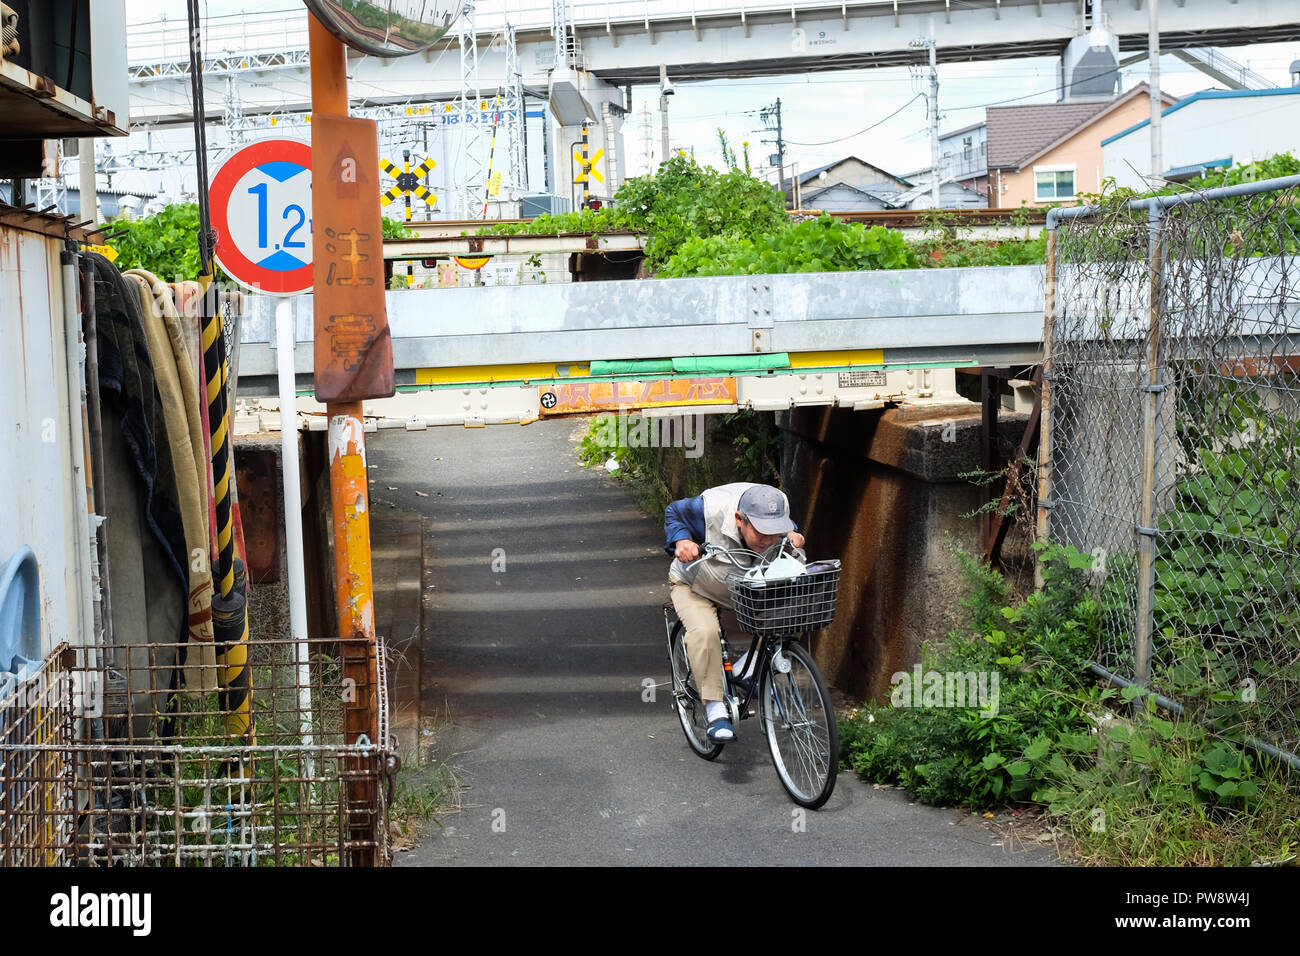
(542, 629)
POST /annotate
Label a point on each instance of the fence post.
(1146, 527)
(1045, 420)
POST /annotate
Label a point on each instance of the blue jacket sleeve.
(684, 519)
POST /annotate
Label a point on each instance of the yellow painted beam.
(534, 371)
(474, 374)
(837, 359)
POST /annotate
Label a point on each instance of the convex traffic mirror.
(387, 27)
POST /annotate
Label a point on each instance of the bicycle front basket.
(788, 606)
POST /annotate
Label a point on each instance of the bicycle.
(795, 708)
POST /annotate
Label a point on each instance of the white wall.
(37, 484)
(1245, 128)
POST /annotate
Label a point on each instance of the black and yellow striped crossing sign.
(408, 181)
(587, 167)
(586, 162)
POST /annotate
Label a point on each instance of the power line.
(861, 131)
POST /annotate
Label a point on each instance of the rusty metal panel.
(353, 349)
(584, 397)
(255, 475)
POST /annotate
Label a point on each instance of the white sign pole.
(260, 199)
(290, 470)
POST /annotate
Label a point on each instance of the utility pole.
(647, 141)
(771, 117)
(934, 123)
(665, 91)
(932, 111)
(1153, 58)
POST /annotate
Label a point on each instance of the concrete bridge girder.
(800, 38)
(853, 36)
(900, 320)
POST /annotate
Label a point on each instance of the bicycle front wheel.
(799, 720)
(686, 697)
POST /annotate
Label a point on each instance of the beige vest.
(708, 578)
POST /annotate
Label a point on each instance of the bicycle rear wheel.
(799, 720)
(686, 697)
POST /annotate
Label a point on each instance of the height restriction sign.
(261, 211)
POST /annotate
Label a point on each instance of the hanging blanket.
(147, 548)
(178, 390)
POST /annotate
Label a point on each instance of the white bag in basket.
(782, 569)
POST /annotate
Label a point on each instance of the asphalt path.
(545, 646)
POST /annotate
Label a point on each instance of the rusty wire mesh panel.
(158, 775)
(1175, 425)
(186, 805)
(36, 767)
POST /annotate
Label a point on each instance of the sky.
(825, 114)
(823, 107)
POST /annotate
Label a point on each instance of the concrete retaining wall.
(883, 492)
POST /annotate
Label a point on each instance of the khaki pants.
(703, 638)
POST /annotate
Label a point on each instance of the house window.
(1052, 183)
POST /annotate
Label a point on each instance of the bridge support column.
(884, 492)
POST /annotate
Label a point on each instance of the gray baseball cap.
(766, 509)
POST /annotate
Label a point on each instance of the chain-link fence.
(1172, 447)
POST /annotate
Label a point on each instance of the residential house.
(963, 158)
(842, 198)
(952, 195)
(850, 171)
(1207, 130)
(845, 198)
(1051, 152)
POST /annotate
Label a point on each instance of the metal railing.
(1224, 68)
(162, 41)
(1171, 443)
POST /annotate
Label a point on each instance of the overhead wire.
(861, 131)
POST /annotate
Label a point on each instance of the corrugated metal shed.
(39, 486)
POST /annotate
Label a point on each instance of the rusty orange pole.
(354, 589)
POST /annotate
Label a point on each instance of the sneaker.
(743, 685)
(721, 731)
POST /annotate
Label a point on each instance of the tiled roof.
(1018, 132)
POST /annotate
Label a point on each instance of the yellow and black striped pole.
(586, 170)
(406, 169)
(229, 604)
(492, 152)
(587, 167)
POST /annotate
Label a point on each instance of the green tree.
(166, 243)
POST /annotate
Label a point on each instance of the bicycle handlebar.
(709, 550)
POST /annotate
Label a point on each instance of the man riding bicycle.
(739, 515)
